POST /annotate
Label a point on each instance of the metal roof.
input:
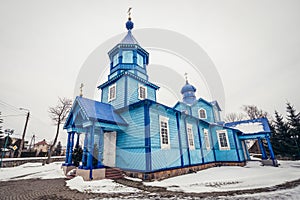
(95, 110)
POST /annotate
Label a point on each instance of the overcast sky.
(254, 45)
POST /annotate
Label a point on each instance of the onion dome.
(188, 93)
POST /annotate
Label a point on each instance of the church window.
(115, 59)
(206, 139)
(127, 56)
(142, 92)
(164, 132)
(202, 113)
(140, 60)
(111, 92)
(223, 140)
(190, 136)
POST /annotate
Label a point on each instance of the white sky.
(254, 44)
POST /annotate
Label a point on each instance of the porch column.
(246, 150)
(262, 149)
(68, 147)
(90, 147)
(271, 150)
(77, 142)
(71, 148)
(84, 154)
(100, 147)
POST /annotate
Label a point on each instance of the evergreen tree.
(95, 155)
(293, 120)
(77, 155)
(280, 138)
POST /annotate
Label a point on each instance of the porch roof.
(251, 127)
(99, 111)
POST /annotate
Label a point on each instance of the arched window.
(202, 113)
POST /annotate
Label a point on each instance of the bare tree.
(253, 112)
(233, 117)
(58, 115)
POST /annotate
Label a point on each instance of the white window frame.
(139, 93)
(206, 139)
(204, 113)
(165, 120)
(115, 59)
(130, 56)
(190, 136)
(140, 60)
(219, 132)
(110, 98)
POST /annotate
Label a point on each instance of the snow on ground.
(227, 178)
(32, 170)
(223, 178)
(99, 186)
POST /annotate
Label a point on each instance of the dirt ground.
(56, 189)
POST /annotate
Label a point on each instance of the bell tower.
(128, 80)
(128, 55)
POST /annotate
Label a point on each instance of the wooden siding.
(132, 93)
(208, 108)
(118, 102)
(131, 142)
(163, 158)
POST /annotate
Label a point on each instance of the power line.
(9, 105)
(13, 115)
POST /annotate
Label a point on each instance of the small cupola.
(188, 92)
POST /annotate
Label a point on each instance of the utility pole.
(24, 132)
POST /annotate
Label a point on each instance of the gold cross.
(81, 86)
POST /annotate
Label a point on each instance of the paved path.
(39, 189)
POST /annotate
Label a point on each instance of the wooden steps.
(113, 173)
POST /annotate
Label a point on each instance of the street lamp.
(24, 131)
(8, 132)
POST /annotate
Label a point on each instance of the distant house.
(41, 148)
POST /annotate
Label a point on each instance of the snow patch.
(250, 127)
(98, 186)
(32, 170)
(227, 178)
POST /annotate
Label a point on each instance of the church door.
(109, 149)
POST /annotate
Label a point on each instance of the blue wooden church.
(129, 130)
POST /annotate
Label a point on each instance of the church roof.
(188, 88)
(129, 39)
(99, 111)
(126, 73)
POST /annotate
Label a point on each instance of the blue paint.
(236, 146)
(179, 138)
(85, 150)
(126, 91)
(71, 148)
(212, 142)
(271, 150)
(262, 149)
(200, 142)
(187, 141)
(147, 138)
(136, 121)
(68, 148)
